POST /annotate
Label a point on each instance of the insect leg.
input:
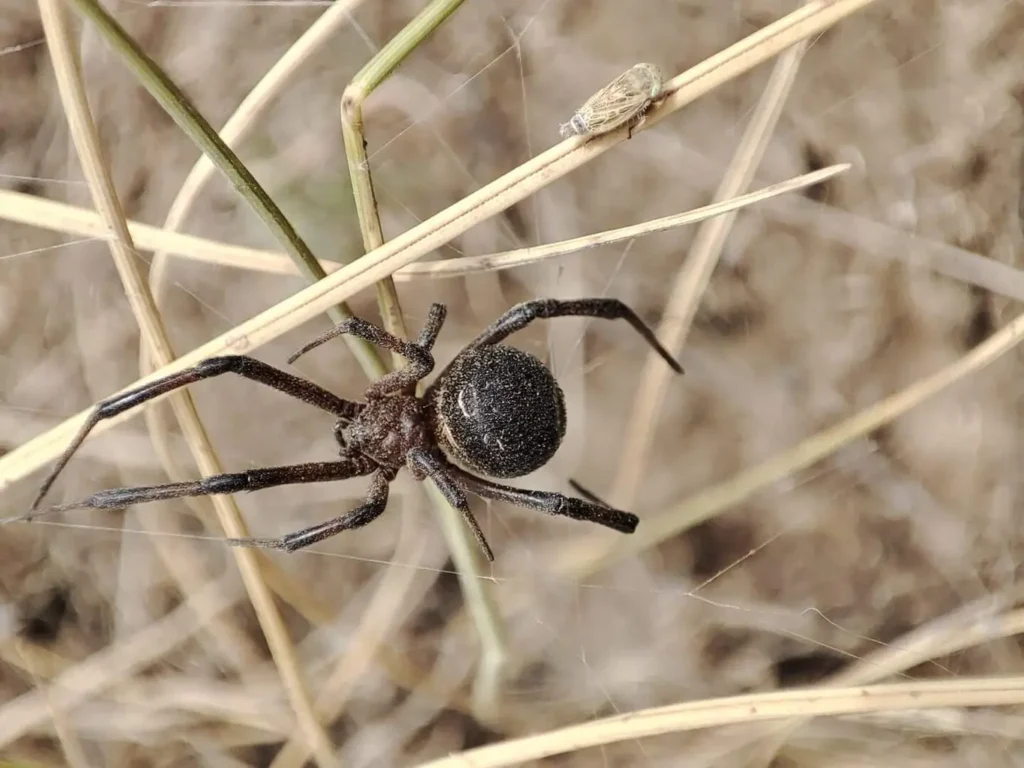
(638, 121)
(242, 365)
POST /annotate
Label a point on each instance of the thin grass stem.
(87, 143)
(465, 554)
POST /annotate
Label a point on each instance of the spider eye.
(500, 412)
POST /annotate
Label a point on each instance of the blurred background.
(823, 303)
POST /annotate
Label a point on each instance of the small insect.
(625, 100)
(494, 411)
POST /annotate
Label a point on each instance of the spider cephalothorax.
(495, 410)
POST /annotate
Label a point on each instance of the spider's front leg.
(521, 315)
(421, 361)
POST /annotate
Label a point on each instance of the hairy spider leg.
(432, 327)
(435, 319)
(243, 365)
(550, 503)
(521, 315)
(233, 482)
(422, 463)
(421, 362)
(376, 502)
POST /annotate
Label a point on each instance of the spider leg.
(422, 464)
(234, 482)
(551, 503)
(435, 319)
(376, 501)
(246, 367)
(523, 314)
(421, 362)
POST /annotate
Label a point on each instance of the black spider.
(495, 410)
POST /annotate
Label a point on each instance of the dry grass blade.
(885, 241)
(363, 84)
(154, 335)
(693, 278)
(465, 554)
(592, 556)
(971, 626)
(33, 660)
(917, 530)
(802, 24)
(114, 664)
(61, 217)
(178, 107)
(70, 744)
(252, 108)
(877, 239)
(256, 104)
(376, 625)
(491, 262)
(443, 227)
(945, 723)
(941, 694)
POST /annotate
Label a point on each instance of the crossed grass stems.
(368, 226)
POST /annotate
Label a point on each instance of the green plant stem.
(176, 104)
(465, 554)
(363, 84)
(366, 210)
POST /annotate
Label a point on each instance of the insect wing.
(623, 99)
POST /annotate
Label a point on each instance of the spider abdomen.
(499, 411)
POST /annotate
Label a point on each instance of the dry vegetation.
(821, 305)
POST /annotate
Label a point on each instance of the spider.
(495, 410)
